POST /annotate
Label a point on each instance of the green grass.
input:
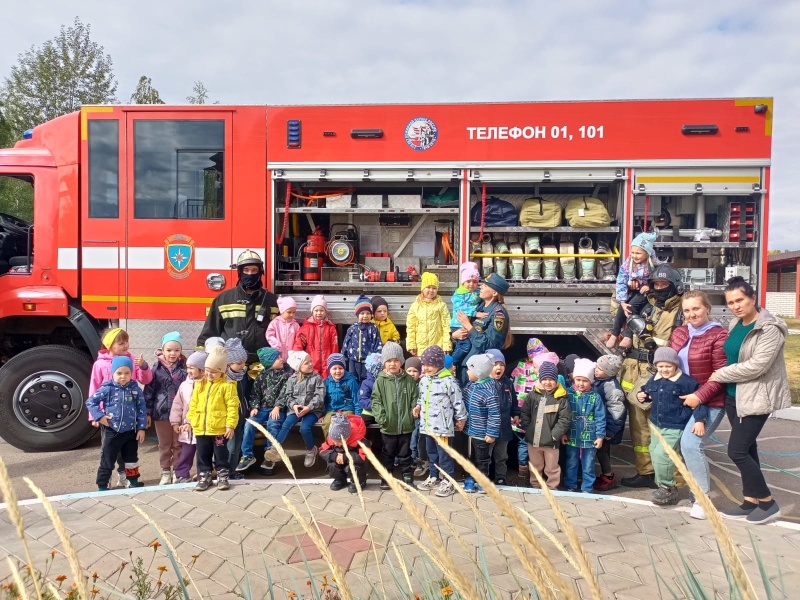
(792, 355)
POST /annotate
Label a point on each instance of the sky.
(365, 51)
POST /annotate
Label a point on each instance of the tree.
(200, 94)
(145, 93)
(57, 78)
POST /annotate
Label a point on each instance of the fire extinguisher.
(313, 256)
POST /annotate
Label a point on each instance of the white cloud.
(337, 51)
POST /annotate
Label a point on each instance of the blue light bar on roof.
(28, 134)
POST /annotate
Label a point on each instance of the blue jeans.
(415, 441)
(693, 448)
(439, 459)
(460, 348)
(306, 421)
(582, 458)
(522, 450)
(272, 425)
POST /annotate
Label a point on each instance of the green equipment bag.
(587, 212)
(537, 212)
(447, 199)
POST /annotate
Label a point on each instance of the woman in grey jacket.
(757, 386)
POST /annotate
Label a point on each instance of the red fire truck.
(139, 212)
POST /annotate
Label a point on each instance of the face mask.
(250, 282)
(662, 296)
(234, 376)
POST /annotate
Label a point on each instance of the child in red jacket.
(317, 336)
(333, 451)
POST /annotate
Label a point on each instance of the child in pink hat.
(282, 331)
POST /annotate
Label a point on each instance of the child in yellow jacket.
(213, 416)
(380, 316)
(428, 320)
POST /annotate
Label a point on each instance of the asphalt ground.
(779, 448)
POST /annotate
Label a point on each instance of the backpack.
(587, 212)
(499, 213)
(537, 212)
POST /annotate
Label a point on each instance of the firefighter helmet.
(667, 273)
(248, 257)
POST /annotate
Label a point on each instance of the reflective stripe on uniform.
(626, 385)
(642, 449)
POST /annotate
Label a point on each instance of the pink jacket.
(281, 334)
(101, 371)
(180, 408)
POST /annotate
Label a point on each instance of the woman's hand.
(691, 400)
(463, 320)
(460, 334)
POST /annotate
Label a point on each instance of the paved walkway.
(224, 535)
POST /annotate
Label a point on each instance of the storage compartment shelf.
(599, 286)
(706, 244)
(368, 211)
(366, 286)
(545, 229)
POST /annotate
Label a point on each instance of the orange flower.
(95, 591)
(155, 545)
(447, 591)
(291, 595)
(61, 578)
(53, 553)
(161, 568)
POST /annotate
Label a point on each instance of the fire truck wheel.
(42, 394)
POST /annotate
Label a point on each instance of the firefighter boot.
(568, 262)
(487, 264)
(586, 265)
(550, 264)
(501, 264)
(517, 264)
(608, 272)
(533, 265)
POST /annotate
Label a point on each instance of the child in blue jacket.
(509, 409)
(608, 388)
(588, 429)
(120, 409)
(361, 340)
(483, 424)
(374, 364)
(341, 391)
(464, 299)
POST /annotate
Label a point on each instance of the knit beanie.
(583, 368)
(548, 371)
(340, 427)
(374, 363)
(172, 336)
(297, 358)
(610, 364)
(429, 279)
(235, 350)
(267, 356)
(468, 272)
(362, 303)
(433, 356)
(448, 361)
(108, 338)
(197, 359)
(213, 341)
(497, 356)
(121, 360)
(668, 355)
(336, 359)
(319, 300)
(569, 362)
(285, 303)
(645, 241)
(481, 365)
(545, 357)
(392, 350)
(535, 346)
(414, 363)
(377, 302)
(217, 359)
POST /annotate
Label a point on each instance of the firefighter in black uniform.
(244, 311)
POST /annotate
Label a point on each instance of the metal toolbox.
(375, 201)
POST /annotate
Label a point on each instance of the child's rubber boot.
(203, 482)
(222, 480)
(533, 265)
(524, 476)
(134, 482)
(102, 488)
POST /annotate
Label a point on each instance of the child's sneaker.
(203, 482)
(384, 485)
(338, 484)
(500, 481)
(428, 484)
(352, 487)
(222, 480)
(423, 467)
(245, 463)
(133, 482)
(445, 489)
(311, 457)
(408, 479)
(605, 483)
(470, 485)
(272, 455)
(166, 478)
(665, 495)
(697, 512)
(122, 480)
(267, 468)
(183, 480)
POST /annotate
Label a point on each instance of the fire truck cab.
(140, 211)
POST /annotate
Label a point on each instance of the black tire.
(37, 385)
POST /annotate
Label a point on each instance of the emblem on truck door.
(180, 251)
(421, 133)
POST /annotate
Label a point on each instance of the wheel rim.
(48, 401)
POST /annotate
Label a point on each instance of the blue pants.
(272, 425)
(358, 369)
(460, 348)
(439, 459)
(415, 440)
(582, 458)
(522, 450)
(306, 421)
